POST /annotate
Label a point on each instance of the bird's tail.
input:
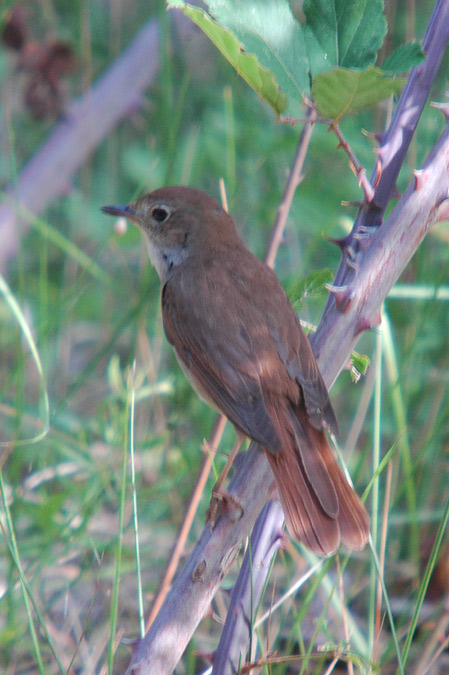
(321, 508)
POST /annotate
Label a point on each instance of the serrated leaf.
(247, 65)
(269, 30)
(403, 58)
(343, 33)
(344, 92)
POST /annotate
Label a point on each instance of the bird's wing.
(223, 371)
(242, 346)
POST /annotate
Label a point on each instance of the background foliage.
(199, 122)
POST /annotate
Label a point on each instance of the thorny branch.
(379, 255)
(380, 259)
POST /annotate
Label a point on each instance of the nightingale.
(240, 344)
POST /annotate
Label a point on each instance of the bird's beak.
(120, 210)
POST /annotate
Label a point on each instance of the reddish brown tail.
(321, 508)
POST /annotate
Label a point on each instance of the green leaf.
(359, 365)
(247, 65)
(403, 58)
(344, 92)
(312, 285)
(343, 33)
(269, 30)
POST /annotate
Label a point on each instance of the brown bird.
(240, 344)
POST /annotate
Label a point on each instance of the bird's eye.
(160, 213)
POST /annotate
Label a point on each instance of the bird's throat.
(165, 258)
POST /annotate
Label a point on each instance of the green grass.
(83, 302)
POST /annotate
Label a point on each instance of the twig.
(354, 163)
(293, 181)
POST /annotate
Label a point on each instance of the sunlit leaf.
(344, 92)
(246, 64)
(342, 33)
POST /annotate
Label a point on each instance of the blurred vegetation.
(62, 496)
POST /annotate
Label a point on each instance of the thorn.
(365, 323)
(378, 174)
(369, 134)
(351, 253)
(363, 236)
(444, 107)
(421, 178)
(352, 265)
(356, 204)
(377, 320)
(367, 229)
(132, 644)
(351, 260)
(379, 137)
(337, 289)
(343, 296)
(341, 242)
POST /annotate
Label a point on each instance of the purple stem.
(392, 151)
(265, 540)
(380, 259)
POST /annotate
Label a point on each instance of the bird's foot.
(223, 502)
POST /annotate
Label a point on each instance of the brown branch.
(293, 181)
(354, 163)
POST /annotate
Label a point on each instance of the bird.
(240, 344)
